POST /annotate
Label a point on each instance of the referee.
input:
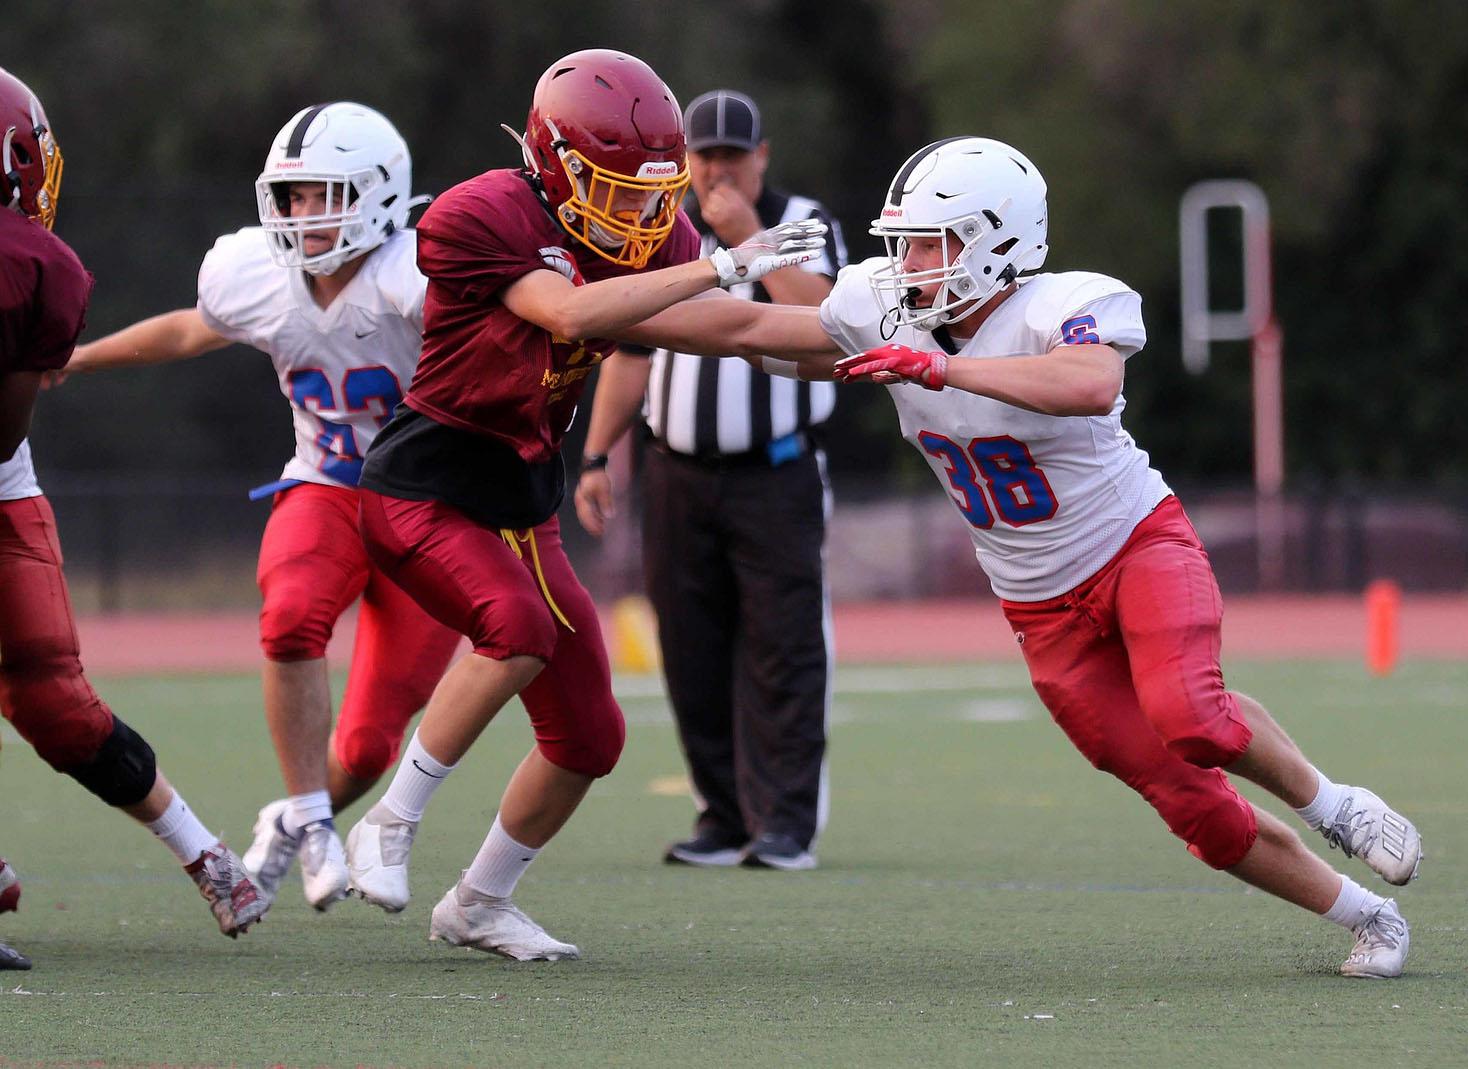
(734, 527)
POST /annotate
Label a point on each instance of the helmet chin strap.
(531, 168)
(524, 148)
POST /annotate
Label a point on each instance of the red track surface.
(1432, 626)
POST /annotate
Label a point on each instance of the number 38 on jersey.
(993, 476)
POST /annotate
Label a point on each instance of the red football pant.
(1127, 664)
(43, 691)
(466, 576)
(313, 565)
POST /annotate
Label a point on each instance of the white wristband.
(785, 369)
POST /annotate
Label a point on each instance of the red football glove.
(895, 363)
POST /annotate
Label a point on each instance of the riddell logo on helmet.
(286, 165)
(891, 211)
(657, 170)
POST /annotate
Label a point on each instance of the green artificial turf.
(984, 898)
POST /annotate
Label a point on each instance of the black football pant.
(733, 556)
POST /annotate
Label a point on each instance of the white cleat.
(1366, 827)
(323, 864)
(272, 852)
(1381, 945)
(466, 918)
(377, 858)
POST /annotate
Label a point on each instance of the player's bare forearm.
(621, 382)
(18, 391)
(603, 309)
(795, 285)
(1071, 380)
(719, 325)
(176, 335)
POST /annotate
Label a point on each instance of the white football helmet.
(986, 201)
(368, 174)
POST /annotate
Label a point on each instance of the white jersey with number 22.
(1048, 500)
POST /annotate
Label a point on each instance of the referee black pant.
(734, 558)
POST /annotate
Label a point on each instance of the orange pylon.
(1383, 612)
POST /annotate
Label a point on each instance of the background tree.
(1351, 118)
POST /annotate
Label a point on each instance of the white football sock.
(1328, 800)
(1353, 905)
(305, 809)
(182, 832)
(419, 774)
(500, 863)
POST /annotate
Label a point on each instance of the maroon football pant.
(313, 565)
(43, 690)
(468, 577)
(1128, 665)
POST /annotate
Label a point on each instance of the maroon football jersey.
(483, 368)
(43, 296)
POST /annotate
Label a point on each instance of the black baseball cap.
(722, 117)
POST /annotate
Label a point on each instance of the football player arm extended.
(762, 334)
(1069, 380)
(18, 391)
(795, 285)
(602, 309)
(176, 335)
(621, 382)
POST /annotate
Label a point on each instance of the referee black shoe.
(707, 848)
(778, 852)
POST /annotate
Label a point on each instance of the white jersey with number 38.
(344, 367)
(1048, 499)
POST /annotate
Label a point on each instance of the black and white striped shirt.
(708, 407)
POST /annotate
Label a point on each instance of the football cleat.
(273, 850)
(466, 918)
(323, 864)
(9, 888)
(1381, 945)
(232, 897)
(1365, 827)
(377, 858)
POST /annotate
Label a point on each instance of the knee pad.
(1222, 836)
(123, 770)
(595, 752)
(366, 751)
(294, 625)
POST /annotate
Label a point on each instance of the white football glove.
(769, 250)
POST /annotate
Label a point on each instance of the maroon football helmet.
(30, 161)
(605, 138)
